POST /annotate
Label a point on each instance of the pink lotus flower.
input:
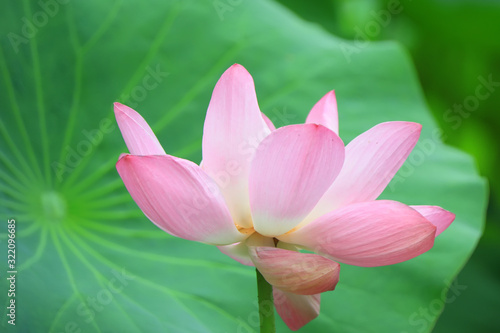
(261, 193)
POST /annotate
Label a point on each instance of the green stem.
(266, 305)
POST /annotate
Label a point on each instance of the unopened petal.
(438, 216)
(371, 161)
(367, 234)
(296, 310)
(179, 197)
(295, 272)
(138, 136)
(233, 129)
(291, 170)
(325, 113)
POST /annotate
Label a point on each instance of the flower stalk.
(266, 305)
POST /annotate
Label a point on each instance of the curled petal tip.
(329, 95)
(324, 112)
(439, 217)
(237, 68)
(136, 132)
(121, 108)
(416, 127)
(123, 156)
(296, 310)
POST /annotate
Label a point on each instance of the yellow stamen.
(245, 231)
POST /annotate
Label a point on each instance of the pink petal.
(136, 132)
(178, 197)
(233, 129)
(367, 234)
(371, 160)
(296, 310)
(237, 251)
(291, 170)
(325, 112)
(295, 272)
(438, 216)
(269, 123)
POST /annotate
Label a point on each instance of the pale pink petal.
(367, 234)
(269, 123)
(238, 252)
(291, 170)
(438, 216)
(295, 272)
(179, 197)
(136, 132)
(371, 160)
(233, 129)
(296, 310)
(325, 112)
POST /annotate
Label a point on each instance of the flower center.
(245, 231)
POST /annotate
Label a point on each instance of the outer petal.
(325, 112)
(438, 216)
(290, 172)
(368, 234)
(233, 129)
(371, 160)
(179, 198)
(295, 272)
(136, 132)
(296, 310)
(269, 123)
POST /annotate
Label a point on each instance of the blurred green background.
(63, 63)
